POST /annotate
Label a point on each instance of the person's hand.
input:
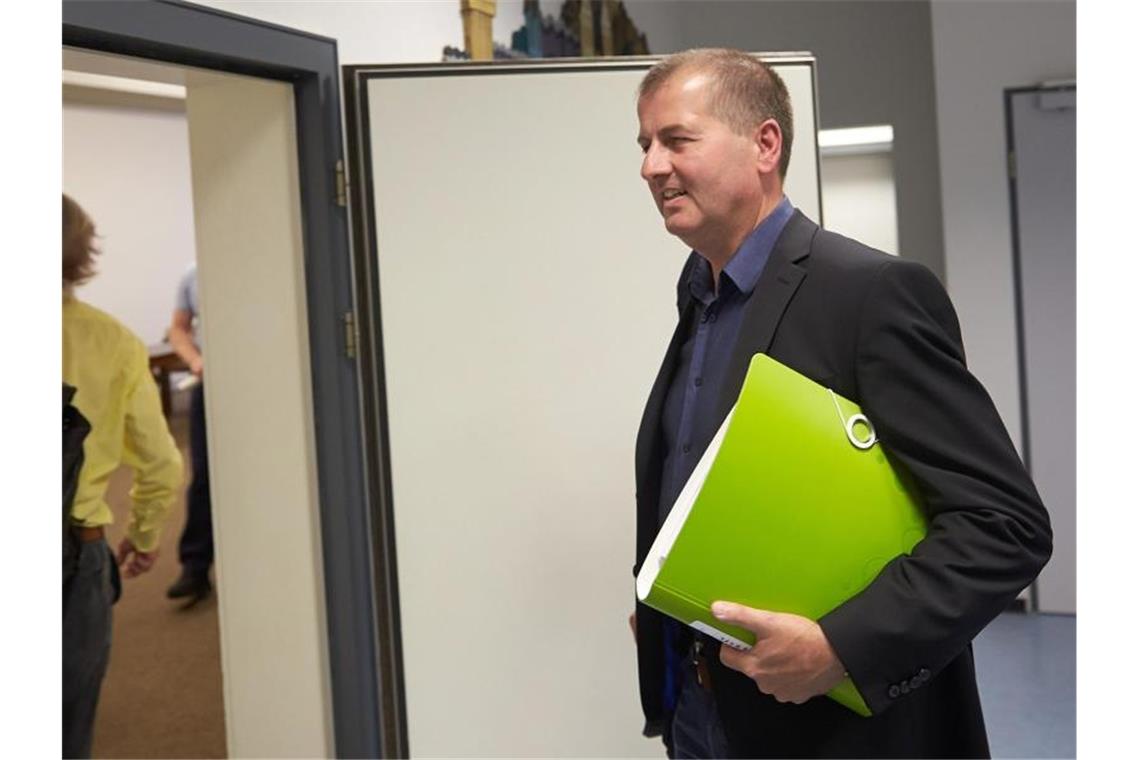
(792, 659)
(633, 625)
(196, 366)
(136, 562)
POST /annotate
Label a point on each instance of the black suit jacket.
(882, 332)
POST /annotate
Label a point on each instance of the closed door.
(1042, 125)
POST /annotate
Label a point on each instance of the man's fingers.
(733, 658)
(132, 560)
(759, 622)
(141, 562)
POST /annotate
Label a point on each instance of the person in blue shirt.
(196, 545)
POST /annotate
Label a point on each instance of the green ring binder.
(787, 510)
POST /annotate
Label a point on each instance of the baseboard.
(1017, 605)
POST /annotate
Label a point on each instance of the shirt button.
(704, 317)
(698, 382)
(685, 448)
(893, 692)
(924, 675)
(712, 317)
(904, 687)
(915, 682)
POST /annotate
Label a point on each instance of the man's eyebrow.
(666, 131)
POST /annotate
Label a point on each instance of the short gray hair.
(745, 90)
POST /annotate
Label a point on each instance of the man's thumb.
(754, 620)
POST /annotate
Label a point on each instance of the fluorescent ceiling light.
(855, 140)
(123, 84)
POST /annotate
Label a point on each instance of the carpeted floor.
(162, 697)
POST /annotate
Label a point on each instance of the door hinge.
(1011, 165)
(350, 336)
(341, 184)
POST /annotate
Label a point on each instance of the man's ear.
(769, 146)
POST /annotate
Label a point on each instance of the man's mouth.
(671, 194)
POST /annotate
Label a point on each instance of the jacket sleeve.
(149, 449)
(988, 533)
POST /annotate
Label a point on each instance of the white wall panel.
(859, 199)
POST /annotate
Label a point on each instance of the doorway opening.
(296, 611)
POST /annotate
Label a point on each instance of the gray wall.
(980, 49)
(875, 67)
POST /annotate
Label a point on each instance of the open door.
(299, 539)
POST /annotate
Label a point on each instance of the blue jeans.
(697, 731)
(87, 600)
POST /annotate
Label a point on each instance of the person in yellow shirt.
(108, 366)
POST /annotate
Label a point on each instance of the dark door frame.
(191, 35)
(1018, 295)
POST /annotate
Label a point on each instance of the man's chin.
(678, 228)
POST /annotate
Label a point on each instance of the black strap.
(75, 430)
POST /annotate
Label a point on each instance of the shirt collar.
(744, 268)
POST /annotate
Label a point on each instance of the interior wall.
(980, 49)
(859, 198)
(129, 167)
(393, 31)
(263, 483)
(415, 31)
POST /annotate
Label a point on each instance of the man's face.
(703, 176)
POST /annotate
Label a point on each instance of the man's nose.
(655, 163)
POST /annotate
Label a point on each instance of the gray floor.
(1027, 676)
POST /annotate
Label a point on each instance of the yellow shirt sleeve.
(149, 449)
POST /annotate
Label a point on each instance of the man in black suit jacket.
(716, 130)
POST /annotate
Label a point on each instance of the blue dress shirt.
(687, 422)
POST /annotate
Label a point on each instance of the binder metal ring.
(858, 443)
(849, 425)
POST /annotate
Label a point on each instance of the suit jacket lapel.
(778, 283)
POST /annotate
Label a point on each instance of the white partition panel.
(527, 293)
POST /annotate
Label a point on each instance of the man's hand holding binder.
(792, 659)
